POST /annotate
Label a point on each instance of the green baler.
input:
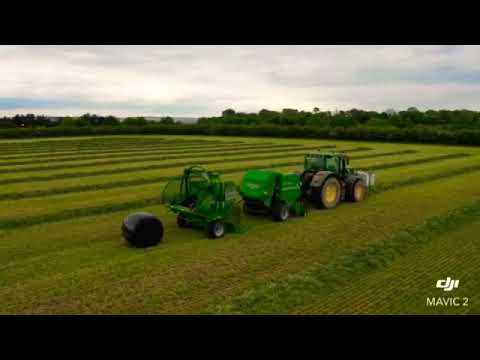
(270, 192)
(200, 199)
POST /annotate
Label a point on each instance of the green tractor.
(328, 179)
(270, 192)
(201, 200)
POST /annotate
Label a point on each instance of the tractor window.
(314, 163)
(331, 164)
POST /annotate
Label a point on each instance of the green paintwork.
(200, 197)
(269, 187)
(336, 163)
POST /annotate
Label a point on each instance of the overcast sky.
(204, 80)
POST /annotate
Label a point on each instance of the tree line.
(421, 134)
(438, 127)
(412, 117)
(39, 121)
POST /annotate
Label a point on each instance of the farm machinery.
(201, 200)
(328, 179)
(270, 192)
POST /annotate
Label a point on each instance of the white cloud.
(204, 80)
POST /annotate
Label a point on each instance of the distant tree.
(289, 111)
(136, 121)
(167, 120)
(67, 121)
(110, 120)
(412, 109)
(6, 122)
(316, 110)
(378, 122)
(81, 122)
(228, 112)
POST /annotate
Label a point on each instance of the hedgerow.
(416, 134)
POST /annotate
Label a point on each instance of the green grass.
(47, 174)
(303, 289)
(143, 152)
(30, 211)
(61, 250)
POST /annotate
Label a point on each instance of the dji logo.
(447, 284)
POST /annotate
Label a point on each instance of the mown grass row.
(24, 179)
(146, 181)
(383, 154)
(402, 287)
(84, 140)
(283, 296)
(112, 151)
(162, 156)
(156, 200)
(94, 144)
(139, 152)
(417, 161)
(83, 266)
(425, 178)
(119, 151)
(113, 148)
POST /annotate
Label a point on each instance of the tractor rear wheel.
(280, 212)
(358, 191)
(216, 229)
(330, 193)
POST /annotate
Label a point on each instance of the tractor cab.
(327, 161)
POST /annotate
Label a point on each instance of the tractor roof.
(326, 154)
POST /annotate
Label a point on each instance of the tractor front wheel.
(358, 191)
(280, 212)
(330, 193)
(216, 229)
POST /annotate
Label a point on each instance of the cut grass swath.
(281, 296)
(139, 153)
(113, 148)
(122, 152)
(163, 156)
(130, 205)
(80, 266)
(156, 179)
(95, 144)
(143, 167)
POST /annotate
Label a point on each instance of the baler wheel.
(216, 229)
(280, 212)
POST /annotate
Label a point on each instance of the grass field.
(63, 201)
